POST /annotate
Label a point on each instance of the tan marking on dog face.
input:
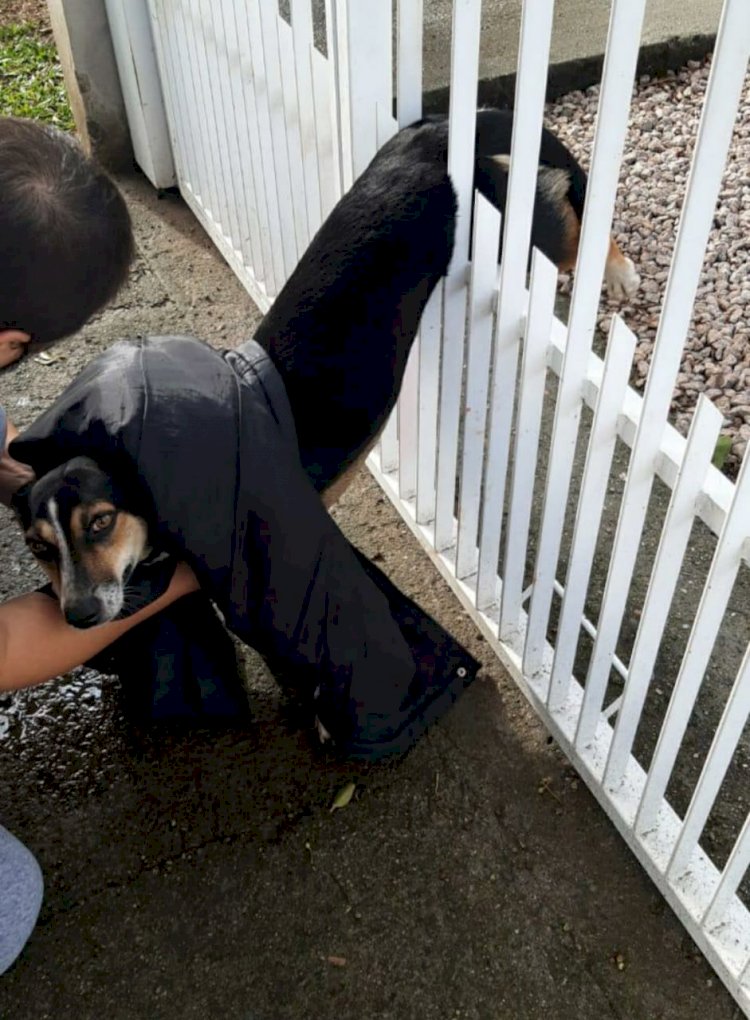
(103, 562)
(42, 531)
(53, 573)
(107, 559)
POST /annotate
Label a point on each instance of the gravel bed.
(663, 125)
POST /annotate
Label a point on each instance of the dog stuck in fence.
(338, 335)
(560, 198)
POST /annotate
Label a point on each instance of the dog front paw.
(622, 279)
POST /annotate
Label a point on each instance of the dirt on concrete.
(17, 12)
(197, 874)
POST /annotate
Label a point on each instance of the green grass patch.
(31, 79)
(722, 451)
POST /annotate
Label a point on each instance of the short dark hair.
(66, 240)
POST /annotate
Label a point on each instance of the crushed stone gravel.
(661, 138)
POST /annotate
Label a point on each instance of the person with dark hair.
(66, 245)
(66, 242)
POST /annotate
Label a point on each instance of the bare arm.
(37, 644)
(13, 474)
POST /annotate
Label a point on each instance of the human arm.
(13, 474)
(37, 644)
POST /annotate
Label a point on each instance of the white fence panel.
(264, 26)
(409, 61)
(536, 33)
(721, 578)
(150, 131)
(707, 903)
(429, 391)
(292, 123)
(722, 749)
(620, 351)
(463, 101)
(404, 423)
(302, 41)
(253, 117)
(678, 523)
(326, 140)
(481, 308)
(714, 134)
(526, 446)
(611, 123)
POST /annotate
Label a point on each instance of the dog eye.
(101, 522)
(40, 549)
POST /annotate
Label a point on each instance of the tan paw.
(621, 278)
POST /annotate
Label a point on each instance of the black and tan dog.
(339, 335)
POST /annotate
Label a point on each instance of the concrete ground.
(194, 875)
(672, 30)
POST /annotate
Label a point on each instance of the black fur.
(548, 233)
(494, 135)
(341, 329)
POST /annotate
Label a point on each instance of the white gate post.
(133, 44)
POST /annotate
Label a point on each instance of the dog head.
(88, 533)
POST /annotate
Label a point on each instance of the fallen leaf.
(721, 451)
(343, 797)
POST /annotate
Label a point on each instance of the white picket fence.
(266, 131)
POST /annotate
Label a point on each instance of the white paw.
(323, 733)
(622, 279)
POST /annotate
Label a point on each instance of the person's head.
(66, 240)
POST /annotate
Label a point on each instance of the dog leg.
(338, 487)
(620, 276)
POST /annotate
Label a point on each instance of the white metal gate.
(266, 131)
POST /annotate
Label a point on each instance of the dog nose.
(85, 612)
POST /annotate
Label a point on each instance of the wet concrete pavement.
(197, 874)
